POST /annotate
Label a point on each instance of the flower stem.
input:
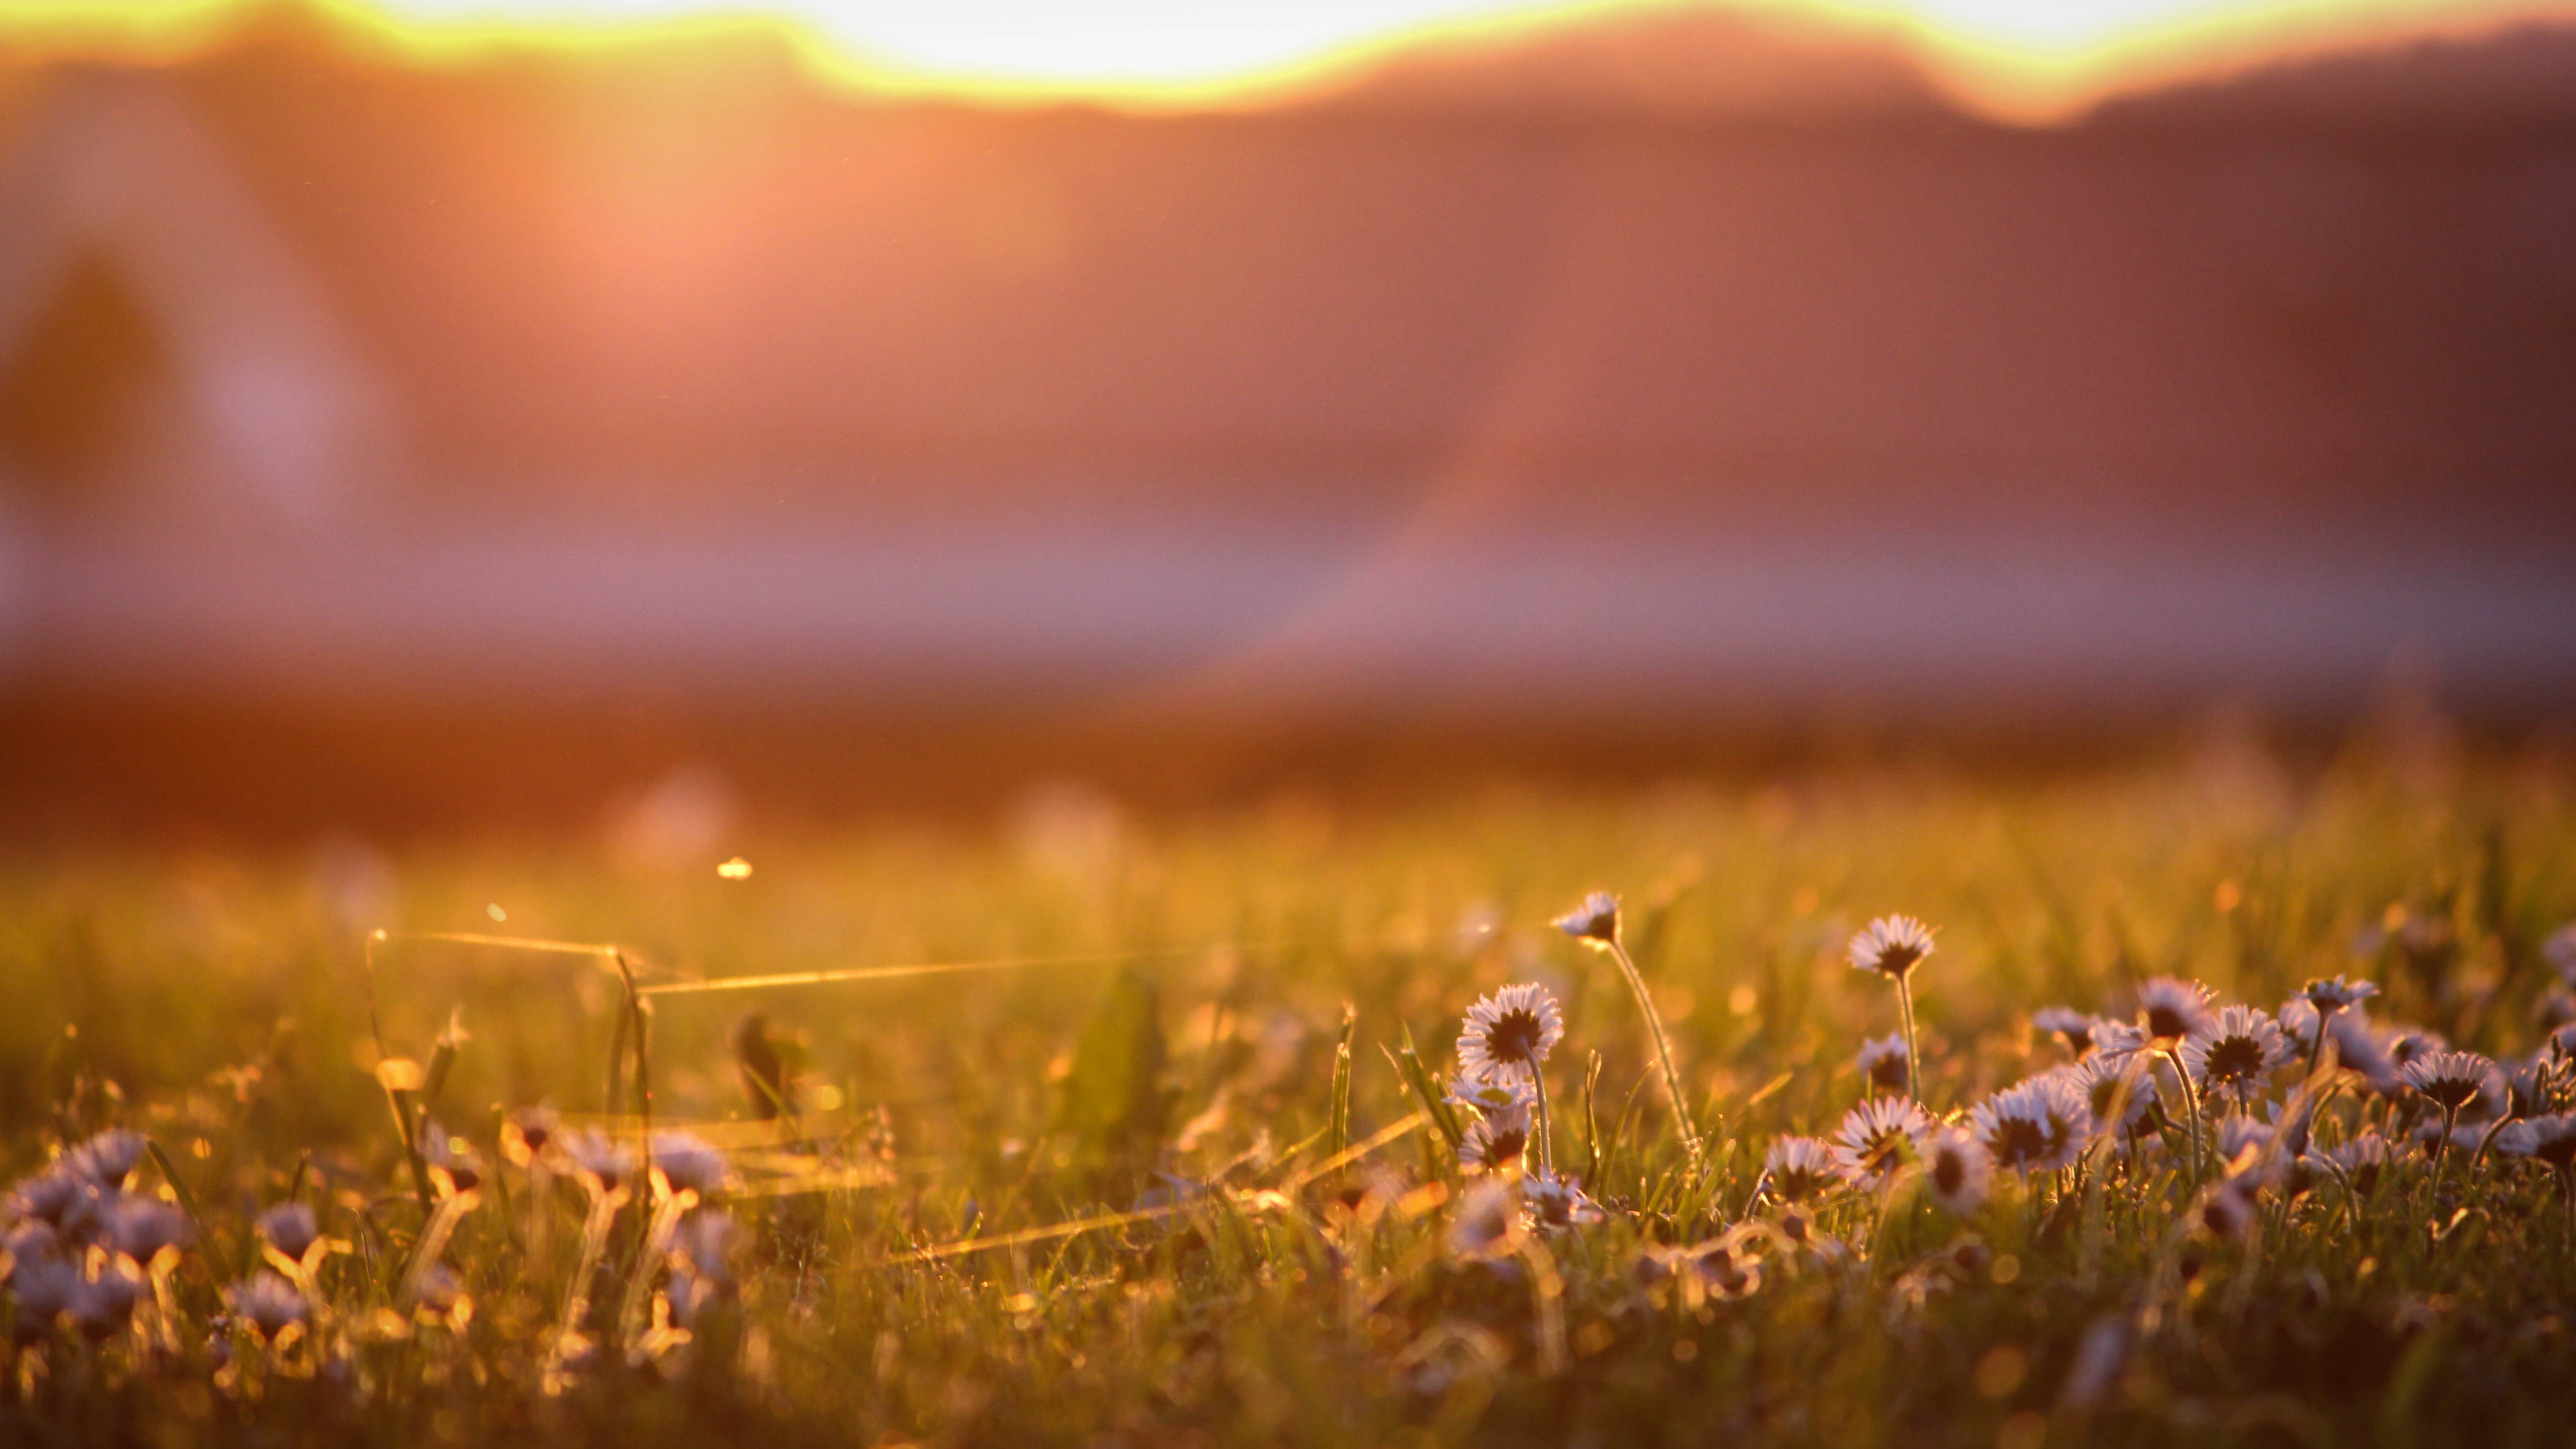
(1913, 1049)
(1663, 1051)
(2191, 1107)
(1546, 1139)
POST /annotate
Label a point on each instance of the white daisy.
(1509, 1034)
(1595, 919)
(606, 1163)
(687, 1163)
(2550, 1139)
(2450, 1080)
(2037, 1126)
(1882, 1063)
(2172, 1008)
(1891, 946)
(2239, 1051)
(453, 1158)
(2113, 1040)
(1484, 1095)
(1879, 1140)
(2075, 1026)
(2330, 995)
(1488, 1223)
(1558, 1202)
(2361, 1161)
(1956, 1170)
(1800, 1168)
(107, 1159)
(1495, 1140)
(2100, 1080)
(2227, 1210)
(102, 1304)
(290, 1228)
(140, 1227)
(2560, 951)
(268, 1303)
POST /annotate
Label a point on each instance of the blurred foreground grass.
(1264, 1293)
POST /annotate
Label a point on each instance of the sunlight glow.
(2026, 58)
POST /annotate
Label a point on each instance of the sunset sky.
(2027, 56)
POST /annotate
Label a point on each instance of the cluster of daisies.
(86, 1254)
(2240, 1101)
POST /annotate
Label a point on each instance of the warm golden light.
(2029, 59)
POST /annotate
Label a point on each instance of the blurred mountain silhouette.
(1677, 370)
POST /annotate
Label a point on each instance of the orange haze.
(2027, 60)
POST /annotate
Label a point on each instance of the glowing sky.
(1139, 48)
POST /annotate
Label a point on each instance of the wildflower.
(290, 1228)
(2450, 1080)
(107, 1159)
(1596, 918)
(2240, 1135)
(1509, 1034)
(1495, 1140)
(452, 1159)
(2227, 1210)
(268, 1303)
(2331, 995)
(1956, 1169)
(703, 1243)
(2239, 1051)
(1882, 1063)
(1488, 1095)
(2360, 1162)
(525, 1137)
(1892, 946)
(1800, 1168)
(52, 1196)
(1488, 1224)
(2101, 1080)
(2114, 1040)
(687, 1163)
(1558, 1202)
(140, 1227)
(605, 1163)
(2402, 1047)
(1880, 1139)
(2075, 1026)
(2560, 952)
(2550, 1139)
(2173, 1008)
(100, 1306)
(2038, 1126)
(46, 1289)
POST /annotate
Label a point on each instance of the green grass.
(219, 1004)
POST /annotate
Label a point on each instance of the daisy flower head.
(2102, 1082)
(606, 1163)
(452, 1158)
(1880, 1139)
(1558, 1202)
(2360, 1161)
(2065, 1021)
(2173, 1008)
(1488, 1095)
(2560, 952)
(2550, 1139)
(1594, 919)
(1509, 1034)
(2113, 1040)
(1956, 1170)
(2332, 994)
(1488, 1224)
(104, 1303)
(2450, 1080)
(2238, 1050)
(1891, 946)
(1495, 1140)
(140, 1227)
(1800, 1168)
(685, 1162)
(2227, 1210)
(268, 1303)
(1882, 1063)
(106, 1160)
(527, 1134)
(290, 1228)
(2037, 1126)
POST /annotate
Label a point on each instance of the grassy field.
(1154, 1170)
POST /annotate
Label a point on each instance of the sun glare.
(2025, 58)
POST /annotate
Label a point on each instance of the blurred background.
(496, 416)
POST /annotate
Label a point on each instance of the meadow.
(1103, 1131)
